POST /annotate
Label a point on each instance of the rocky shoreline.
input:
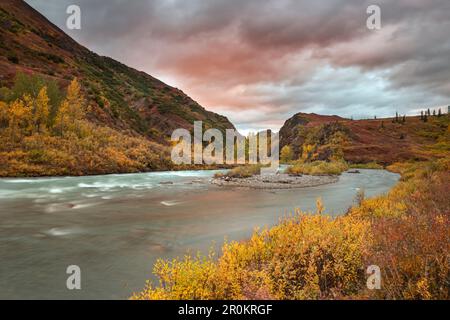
(277, 181)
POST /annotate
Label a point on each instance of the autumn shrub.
(242, 171)
(413, 253)
(286, 154)
(316, 257)
(410, 227)
(316, 168)
(182, 279)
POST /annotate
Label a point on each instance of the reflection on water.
(114, 227)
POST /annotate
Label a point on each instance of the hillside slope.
(120, 97)
(382, 140)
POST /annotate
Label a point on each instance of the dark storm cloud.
(261, 61)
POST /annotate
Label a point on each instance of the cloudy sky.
(259, 62)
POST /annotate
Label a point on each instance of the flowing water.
(114, 227)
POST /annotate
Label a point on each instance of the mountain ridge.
(120, 97)
(384, 141)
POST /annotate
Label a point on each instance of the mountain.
(120, 97)
(384, 141)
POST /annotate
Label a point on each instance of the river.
(114, 227)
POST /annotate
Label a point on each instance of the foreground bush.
(317, 168)
(312, 256)
(410, 227)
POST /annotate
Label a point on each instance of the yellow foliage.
(69, 145)
(75, 102)
(187, 279)
(286, 154)
(19, 115)
(318, 168)
(308, 151)
(242, 171)
(41, 111)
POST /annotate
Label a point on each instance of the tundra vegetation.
(310, 255)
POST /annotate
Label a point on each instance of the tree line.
(427, 113)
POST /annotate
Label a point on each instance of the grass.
(313, 256)
(318, 168)
(370, 165)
